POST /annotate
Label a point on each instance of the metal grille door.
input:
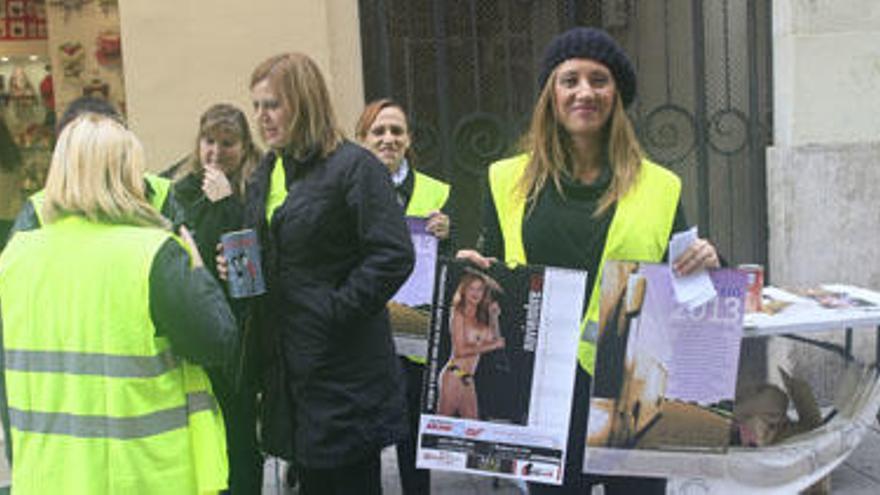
(466, 71)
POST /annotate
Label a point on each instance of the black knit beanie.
(594, 44)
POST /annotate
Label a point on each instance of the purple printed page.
(665, 375)
(418, 289)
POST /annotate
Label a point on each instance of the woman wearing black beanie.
(583, 192)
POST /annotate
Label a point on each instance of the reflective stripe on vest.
(80, 363)
(639, 230)
(91, 390)
(428, 195)
(124, 428)
(159, 185)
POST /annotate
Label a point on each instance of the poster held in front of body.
(501, 364)
(410, 309)
(665, 376)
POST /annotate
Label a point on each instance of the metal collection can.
(754, 286)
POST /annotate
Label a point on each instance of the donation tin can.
(755, 285)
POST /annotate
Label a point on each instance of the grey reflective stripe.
(81, 426)
(82, 363)
(200, 401)
(591, 332)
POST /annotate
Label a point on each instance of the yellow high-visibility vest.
(639, 230)
(428, 195)
(277, 188)
(98, 404)
(161, 187)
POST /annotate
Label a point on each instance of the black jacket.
(207, 220)
(335, 251)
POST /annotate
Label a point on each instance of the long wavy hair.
(224, 119)
(490, 287)
(97, 172)
(549, 147)
(298, 82)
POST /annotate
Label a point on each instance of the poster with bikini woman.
(501, 366)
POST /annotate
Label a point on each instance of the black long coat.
(334, 252)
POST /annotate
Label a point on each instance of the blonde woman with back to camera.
(107, 320)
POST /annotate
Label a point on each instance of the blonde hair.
(219, 119)
(298, 82)
(97, 171)
(549, 147)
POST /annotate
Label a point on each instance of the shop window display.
(86, 59)
(26, 101)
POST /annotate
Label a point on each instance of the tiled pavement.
(859, 475)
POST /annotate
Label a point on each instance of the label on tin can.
(755, 286)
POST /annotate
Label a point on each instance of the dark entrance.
(466, 70)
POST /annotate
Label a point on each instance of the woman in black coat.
(335, 249)
(210, 183)
(209, 187)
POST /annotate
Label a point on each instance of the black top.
(206, 219)
(405, 189)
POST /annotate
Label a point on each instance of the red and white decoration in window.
(22, 20)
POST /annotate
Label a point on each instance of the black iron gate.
(466, 71)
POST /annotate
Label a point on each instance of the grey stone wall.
(824, 214)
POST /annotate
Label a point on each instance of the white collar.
(400, 176)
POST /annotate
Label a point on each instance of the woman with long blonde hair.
(583, 192)
(107, 321)
(97, 172)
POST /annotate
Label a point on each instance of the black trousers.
(240, 418)
(578, 483)
(413, 481)
(363, 477)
